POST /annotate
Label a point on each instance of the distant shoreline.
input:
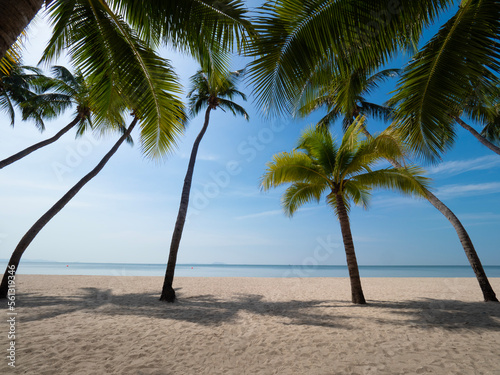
(242, 270)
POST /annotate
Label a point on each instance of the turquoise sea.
(240, 270)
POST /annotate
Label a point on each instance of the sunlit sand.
(116, 325)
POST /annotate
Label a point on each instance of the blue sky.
(127, 213)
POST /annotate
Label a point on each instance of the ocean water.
(226, 270)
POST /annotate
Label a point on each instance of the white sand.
(116, 325)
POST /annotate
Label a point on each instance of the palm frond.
(189, 24)
(124, 72)
(300, 193)
(292, 167)
(297, 35)
(437, 83)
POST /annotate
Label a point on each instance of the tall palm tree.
(435, 87)
(345, 174)
(66, 89)
(352, 86)
(211, 92)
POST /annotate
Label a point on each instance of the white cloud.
(462, 166)
(454, 191)
(260, 214)
(271, 213)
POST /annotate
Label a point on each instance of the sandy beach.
(116, 325)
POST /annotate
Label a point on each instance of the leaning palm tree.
(155, 107)
(351, 86)
(65, 89)
(345, 174)
(435, 87)
(210, 92)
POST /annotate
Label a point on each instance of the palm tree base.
(168, 294)
(359, 300)
(490, 298)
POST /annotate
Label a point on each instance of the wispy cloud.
(481, 216)
(455, 191)
(270, 213)
(260, 214)
(201, 156)
(451, 168)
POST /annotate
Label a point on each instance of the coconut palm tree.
(436, 86)
(212, 93)
(342, 97)
(66, 90)
(345, 174)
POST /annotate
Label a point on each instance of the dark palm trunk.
(352, 264)
(463, 236)
(15, 15)
(39, 145)
(54, 210)
(168, 293)
(478, 136)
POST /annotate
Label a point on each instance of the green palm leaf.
(296, 36)
(123, 71)
(438, 82)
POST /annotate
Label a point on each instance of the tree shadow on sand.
(210, 310)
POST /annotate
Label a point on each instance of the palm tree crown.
(215, 93)
(319, 166)
(344, 94)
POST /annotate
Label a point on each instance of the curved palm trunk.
(39, 145)
(14, 17)
(478, 136)
(463, 236)
(54, 210)
(352, 264)
(168, 293)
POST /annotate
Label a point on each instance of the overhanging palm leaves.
(189, 24)
(296, 36)
(121, 68)
(437, 84)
